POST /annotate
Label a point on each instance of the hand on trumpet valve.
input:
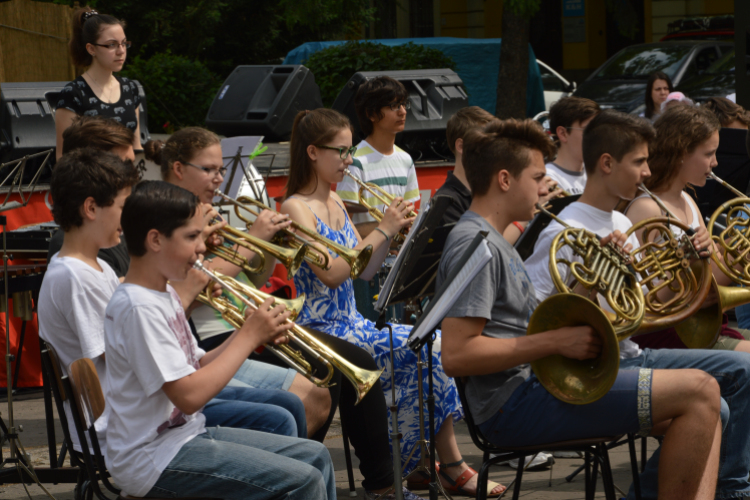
(268, 223)
(702, 242)
(268, 324)
(214, 222)
(395, 216)
(578, 342)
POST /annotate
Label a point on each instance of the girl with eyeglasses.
(98, 43)
(320, 151)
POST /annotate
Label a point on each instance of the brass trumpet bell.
(573, 381)
(363, 380)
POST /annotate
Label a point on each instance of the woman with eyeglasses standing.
(99, 44)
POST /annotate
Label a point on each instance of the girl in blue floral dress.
(321, 148)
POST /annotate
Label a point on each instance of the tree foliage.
(215, 36)
(334, 66)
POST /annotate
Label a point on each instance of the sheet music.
(382, 297)
(440, 307)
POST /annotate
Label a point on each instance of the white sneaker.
(567, 454)
(540, 462)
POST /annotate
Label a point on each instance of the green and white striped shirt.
(395, 173)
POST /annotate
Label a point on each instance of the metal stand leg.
(349, 468)
(423, 445)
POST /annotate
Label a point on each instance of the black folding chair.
(595, 450)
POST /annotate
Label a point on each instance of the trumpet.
(362, 380)
(291, 258)
(382, 196)
(357, 259)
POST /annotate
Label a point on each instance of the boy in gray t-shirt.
(501, 293)
(484, 337)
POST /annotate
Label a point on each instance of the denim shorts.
(262, 376)
(533, 416)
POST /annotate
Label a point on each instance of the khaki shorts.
(729, 343)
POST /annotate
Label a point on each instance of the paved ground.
(29, 412)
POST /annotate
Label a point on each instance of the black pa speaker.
(27, 117)
(27, 121)
(435, 96)
(263, 100)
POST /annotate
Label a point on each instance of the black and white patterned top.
(79, 97)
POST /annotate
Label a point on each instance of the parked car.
(555, 85)
(620, 82)
(717, 81)
(701, 28)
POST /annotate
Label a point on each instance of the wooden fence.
(34, 42)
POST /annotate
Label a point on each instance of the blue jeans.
(248, 465)
(743, 316)
(262, 376)
(732, 371)
(532, 416)
(277, 412)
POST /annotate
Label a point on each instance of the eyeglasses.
(396, 105)
(114, 45)
(214, 172)
(343, 152)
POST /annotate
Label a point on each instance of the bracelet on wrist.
(519, 226)
(387, 238)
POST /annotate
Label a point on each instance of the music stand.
(415, 269)
(474, 258)
(525, 244)
(17, 455)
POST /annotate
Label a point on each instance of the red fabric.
(30, 374)
(668, 339)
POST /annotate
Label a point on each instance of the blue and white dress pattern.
(335, 313)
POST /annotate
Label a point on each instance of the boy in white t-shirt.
(89, 187)
(615, 153)
(381, 105)
(568, 118)
(159, 379)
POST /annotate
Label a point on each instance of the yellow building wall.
(592, 52)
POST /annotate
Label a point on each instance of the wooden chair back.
(56, 371)
(87, 389)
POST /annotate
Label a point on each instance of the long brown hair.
(679, 130)
(310, 128)
(182, 146)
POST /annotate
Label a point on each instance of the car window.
(701, 62)
(639, 62)
(724, 64)
(550, 81)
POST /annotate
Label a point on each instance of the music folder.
(413, 273)
(473, 260)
